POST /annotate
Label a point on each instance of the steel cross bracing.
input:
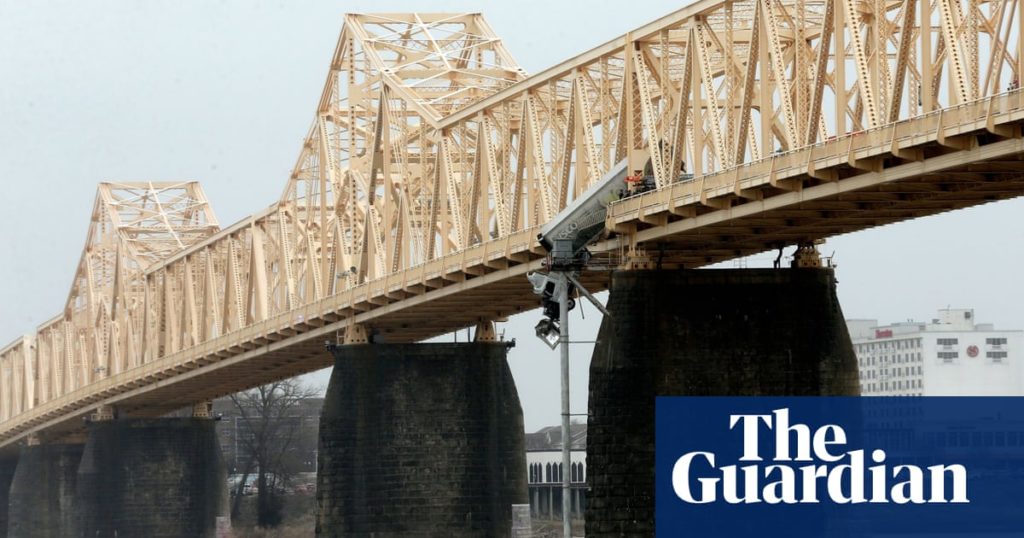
(433, 158)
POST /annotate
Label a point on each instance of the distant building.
(950, 356)
(544, 468)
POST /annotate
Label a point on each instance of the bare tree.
(269, 428)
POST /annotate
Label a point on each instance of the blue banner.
(731, 467)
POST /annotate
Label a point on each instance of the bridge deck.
(949, 159)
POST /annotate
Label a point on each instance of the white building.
(950, 356)
(544, 469)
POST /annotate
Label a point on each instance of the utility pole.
(563, 341)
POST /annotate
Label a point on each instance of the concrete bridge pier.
(744, 332)
(152, 478)
(420, 440)
(42, 493)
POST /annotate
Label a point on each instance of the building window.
(547, 471)
(948, 355)
(996, 356)
(947, 341)
(995, 341)
(577, 472)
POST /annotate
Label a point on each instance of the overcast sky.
(224, 91)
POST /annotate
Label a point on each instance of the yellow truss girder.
(429, 141)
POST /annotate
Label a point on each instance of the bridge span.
(433, 159)
(759, 206)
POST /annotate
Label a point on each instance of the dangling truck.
(567, 235)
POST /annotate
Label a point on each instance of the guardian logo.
(845, 467)
(792, 475)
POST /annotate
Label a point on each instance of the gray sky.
(224, 91)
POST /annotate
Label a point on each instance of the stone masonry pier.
(700, 333)
(151, 478)
(42, 495)
(420, 440)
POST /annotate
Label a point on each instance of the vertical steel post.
(563, 313)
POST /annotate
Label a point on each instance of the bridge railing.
(980, 114)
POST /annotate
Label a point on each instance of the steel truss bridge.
(433, 158)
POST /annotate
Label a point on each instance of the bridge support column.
(42, 494)
(151, 477)
(420, 440)
(8, 465)
(745, 332)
